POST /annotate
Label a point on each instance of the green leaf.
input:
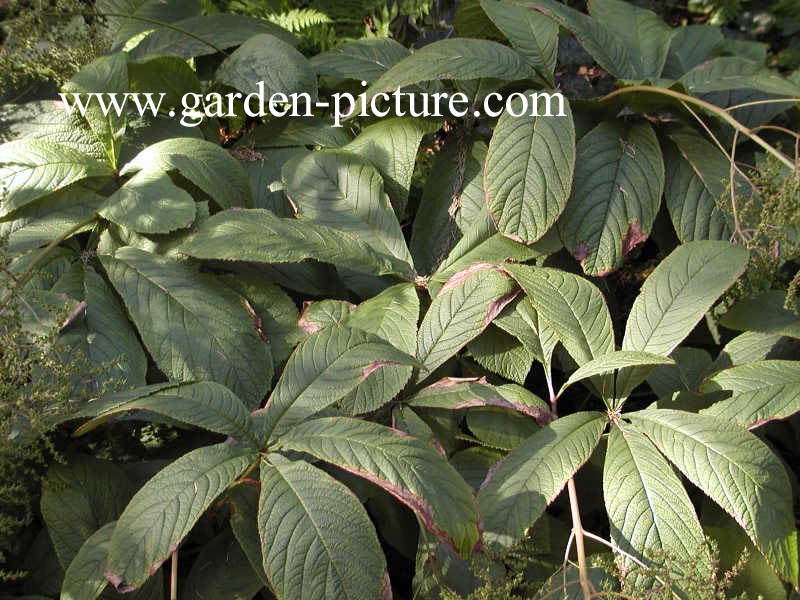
(520, 487)
(105, 335)
(734, 73)
(471, 21)
(324, 368)
(150, 203)
(616, 193)
(78, 498)
(320, 314)
(473, 464)
(498, 428)
(521, 320)
(264, 173)
(452, 198)
(573, 308)
(501, 353)
(194, 327)
(615, 361)
(458, 59)
(532, 34)
(458, 393)
(208, 166)
(690, 46)
(220, 571)
(391, 146)
(343, 191)
(106, 75)
(737, 471)
(465, 306)
(50, 218)
(274, 308)
(365, 59)
(677, 294)
(244, 523)
(168, 75)
(763, 313)
(206, 34)
(644, 33)
(31, 169)
(651, 515)
(84, 578)
(762, 391)
(203, 404)
(696, 181)
(258, 235)
(132, 17)
(405, 467)
(266, 60)
(606, 47)
(166, 508)
(317, 539)
(481, 243)
(392, 316)
(528, 172)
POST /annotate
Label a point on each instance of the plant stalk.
(577, 529)
(173, 577)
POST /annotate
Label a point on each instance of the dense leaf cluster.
(445, 357)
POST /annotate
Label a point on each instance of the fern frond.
(299, 19)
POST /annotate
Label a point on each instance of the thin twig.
(708, 107)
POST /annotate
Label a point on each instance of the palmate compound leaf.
(408, 468)
(519, 488)
(528, 172)
(761, 391)
(203, 404)
(31, 169)
(651, 515)
(166, 508)
(343, 191)
(573, 308)
(324, 368)
(674, 298)
(616, 193)
(195, 327)
(258, 235)
(737, 471)
(317, 540)
(465, 305)
(208, 166)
